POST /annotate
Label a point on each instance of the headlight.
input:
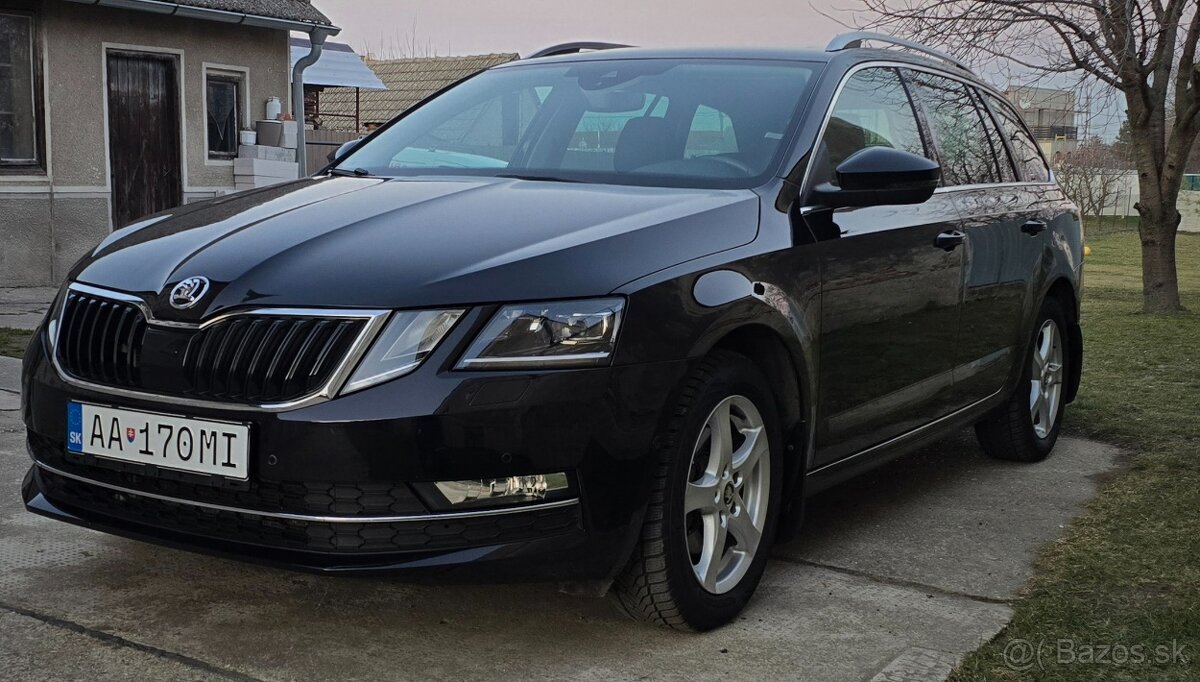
(559, 334)
(406, 341)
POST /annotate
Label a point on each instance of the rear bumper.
(338, 486)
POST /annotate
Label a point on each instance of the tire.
(1021, 430)
(663, 582)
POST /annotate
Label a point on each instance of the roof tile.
(292, 10)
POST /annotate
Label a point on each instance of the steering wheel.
(731, 161)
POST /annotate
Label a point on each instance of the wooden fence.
(319, 143)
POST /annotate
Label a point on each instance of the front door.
(143, 134)
(889, 296)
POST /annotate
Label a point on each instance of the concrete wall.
(1189, 208)
(1126, 193)
(47, 221)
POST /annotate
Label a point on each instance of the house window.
(223, 97)
(20, 140)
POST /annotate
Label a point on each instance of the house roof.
(338, 66)
(292, 10)
(293, 15)
(408, 81)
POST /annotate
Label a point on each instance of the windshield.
(680, 123)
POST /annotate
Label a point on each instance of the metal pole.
(317, 37)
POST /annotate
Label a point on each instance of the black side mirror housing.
(880, 176)
(345, 149)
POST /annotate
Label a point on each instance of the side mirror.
(879, 176)
(345, 149)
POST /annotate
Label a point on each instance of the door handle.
(1033, 227)
(949, 241)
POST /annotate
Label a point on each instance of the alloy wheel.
(726, 502)
(1046, 375)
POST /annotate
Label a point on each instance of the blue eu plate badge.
(74, 427)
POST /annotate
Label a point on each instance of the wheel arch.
(1063, 291)
(766, 348)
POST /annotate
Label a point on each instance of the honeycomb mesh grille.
(342, 538)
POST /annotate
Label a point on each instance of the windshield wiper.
(357, 172)
(541, 178)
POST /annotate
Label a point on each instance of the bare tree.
(1146, 49)
(406, 45)
(1092, 176)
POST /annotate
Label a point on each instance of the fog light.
(495, 492)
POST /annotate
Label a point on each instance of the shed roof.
(339, 65)
(408, 81)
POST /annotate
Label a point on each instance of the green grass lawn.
(13, 341)
(1096, 226)
(1127, 573)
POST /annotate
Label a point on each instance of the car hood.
(408, 243)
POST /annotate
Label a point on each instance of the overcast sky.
(392, 28)
(403, 28)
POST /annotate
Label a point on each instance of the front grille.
(312, 498)
(344, 538)
(259, 358)
(100, 340)
(247, 358)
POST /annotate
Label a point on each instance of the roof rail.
(848, 41)
(573, 48)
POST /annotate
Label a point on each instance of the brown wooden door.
(143, 134)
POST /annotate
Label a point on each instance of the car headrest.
(643, 141)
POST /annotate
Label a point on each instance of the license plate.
(198, 446)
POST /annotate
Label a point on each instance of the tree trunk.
(1158, 208)
(1160, 281)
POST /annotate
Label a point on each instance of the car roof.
(846, 58)
(762, 53)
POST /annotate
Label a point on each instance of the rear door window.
(967, 156)
(1029, 157)
(995, 141)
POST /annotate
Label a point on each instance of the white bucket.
(248, 137)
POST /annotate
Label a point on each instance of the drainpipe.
(317, 37)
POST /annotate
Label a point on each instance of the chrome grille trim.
(374, 322)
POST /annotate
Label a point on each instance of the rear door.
(890, 297)
(1001, 250)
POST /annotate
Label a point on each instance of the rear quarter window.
(1028, 156)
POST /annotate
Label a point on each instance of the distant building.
(1050, 115)
(408, 81)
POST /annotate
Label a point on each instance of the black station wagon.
(600, 316)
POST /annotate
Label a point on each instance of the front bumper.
(336, 486)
